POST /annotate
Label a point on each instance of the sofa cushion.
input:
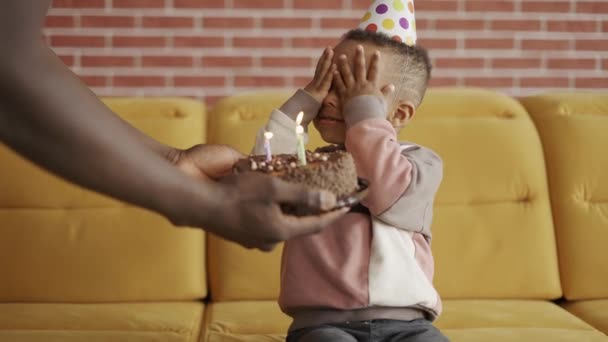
(60, 243)
(175, 122)
(594, 312)
(167, 322)
(573, 129)
(493, 234)
(463, 320)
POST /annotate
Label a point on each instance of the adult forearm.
(49, 116)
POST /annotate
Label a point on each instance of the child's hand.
(364, 81)
(321, 82)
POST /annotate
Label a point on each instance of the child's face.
(330, 122)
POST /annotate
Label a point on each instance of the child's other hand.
(365, 81)
(321, 82)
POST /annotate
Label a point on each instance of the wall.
(211, 48)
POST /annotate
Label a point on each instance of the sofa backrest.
(574, 132)
(59, 243)
(493, 232)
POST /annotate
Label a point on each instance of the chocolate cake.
(332, 170)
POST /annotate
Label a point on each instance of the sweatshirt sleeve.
(403, 181)
(282, 123)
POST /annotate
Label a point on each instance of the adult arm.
(50, 117)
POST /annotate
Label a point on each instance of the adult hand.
(364, 80)
(250, 213)
(321, 82)
(206, 162)
(247, 211)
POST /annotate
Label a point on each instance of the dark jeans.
(380, 330)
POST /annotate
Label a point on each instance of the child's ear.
(404, 111)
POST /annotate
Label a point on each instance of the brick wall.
(212, 48)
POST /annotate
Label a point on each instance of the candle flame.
(268, 135)
(299, 129)
(299, 118)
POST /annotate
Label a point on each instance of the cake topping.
(287, 161)
(329, 170)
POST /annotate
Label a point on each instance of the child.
(369, 275)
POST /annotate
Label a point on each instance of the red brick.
(286, 23)
(516, 63)
(67, 60)
(422, 24)
(138, 81)
(571, 26)
(199, 81)
(320, 4)
(459, 63)
(259, 81)
(199, 3)
(544, 82)
(78, 3)
(443, 81)
(546, 6)
(77, 41)
(268, 42)
(592, 82)
(605, 64)
(177, 22)
(515, 25)
(506, 43)
(437, 5)
(605, 26)
(94, 81)
(107, 21)
(360, 4)
(138, 3)
(257, 4)
(455, 24)
(489, 6)
(339, 23)
(310, 42)
(139, 41)
(489, 82)
(545, 44)
(59, 21)
(300, 81)
(227, 61)
(165, 61)
(592, 44)
(107, 61)
(438, 44)
(197, 41)
(281, 62)
(228, 22)
(595, 7)
(575, 63)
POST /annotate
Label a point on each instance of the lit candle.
(267, 137)
(300, 137)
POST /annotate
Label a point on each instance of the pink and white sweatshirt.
(375, 265)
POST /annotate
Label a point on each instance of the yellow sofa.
(521, 221)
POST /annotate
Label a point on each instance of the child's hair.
(413, 66)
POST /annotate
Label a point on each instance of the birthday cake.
(326, 169)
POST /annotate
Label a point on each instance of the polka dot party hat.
(394, 18)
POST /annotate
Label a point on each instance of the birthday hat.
(394, 18)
